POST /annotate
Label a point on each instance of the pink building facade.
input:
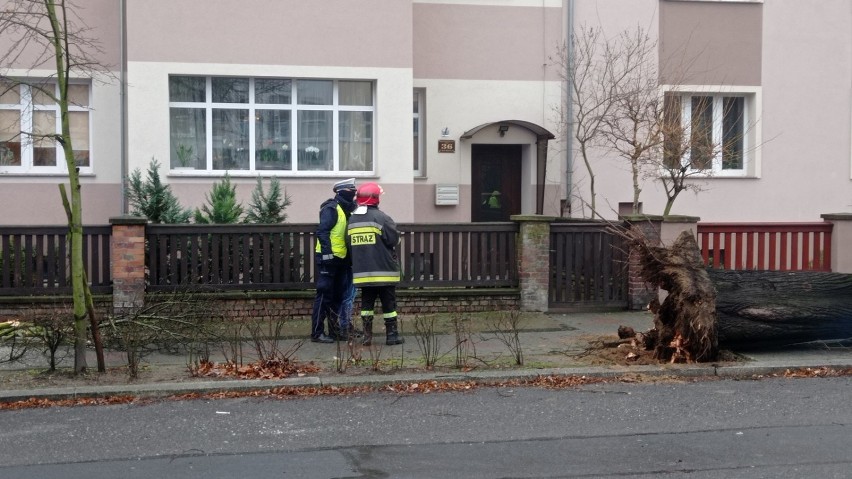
(449, 104)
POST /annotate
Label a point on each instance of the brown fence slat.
(587, 267)
(252, 257)
(33, 260)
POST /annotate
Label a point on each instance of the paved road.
(778, 428)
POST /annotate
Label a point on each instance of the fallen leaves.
(266, 369)
(84, 401)
(823, 372)
(400, 388)
(422, 387)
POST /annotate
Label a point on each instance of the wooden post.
(128, 263)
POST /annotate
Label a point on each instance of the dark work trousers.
(387, 294)
(334, 283)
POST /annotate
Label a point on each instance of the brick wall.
(640, 293)
(291, 304)
(17, 307)
(128, 262)
(409, 302)
(534, 261)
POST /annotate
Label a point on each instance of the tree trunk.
(685, 322)
(769, 308)
(59, 41)
(707, 308)
(90, 305)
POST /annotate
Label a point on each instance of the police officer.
(333, 265)
(375, 268)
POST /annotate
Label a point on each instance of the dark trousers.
(334, 282)
(387, 294)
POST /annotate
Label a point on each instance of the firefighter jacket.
(372, 238)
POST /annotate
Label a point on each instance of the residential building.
(451, 105)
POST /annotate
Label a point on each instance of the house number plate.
(446, 146)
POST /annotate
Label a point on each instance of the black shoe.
(340, 336)
(322, 338)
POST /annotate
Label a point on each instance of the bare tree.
(49, 35)
(645, 127)
(633, 129)
(593, 67)
(620, 108)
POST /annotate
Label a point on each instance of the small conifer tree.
(152, 199)
(222, 206)
(267, 207)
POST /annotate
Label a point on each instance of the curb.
(210, 387)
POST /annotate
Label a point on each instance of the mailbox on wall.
(446, 195)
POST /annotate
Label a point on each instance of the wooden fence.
(766, 246)
(459, 255)
(33, 260)
(276, 257)
(588, 266)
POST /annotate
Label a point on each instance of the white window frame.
(420, 116)
(720, 1)
(294, 107)
(26, 109)
(751, 125)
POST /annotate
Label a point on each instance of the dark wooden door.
(495, 182)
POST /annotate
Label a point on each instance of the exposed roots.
(685, 321)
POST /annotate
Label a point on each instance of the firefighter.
(373, 238)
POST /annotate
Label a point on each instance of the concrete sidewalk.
(552, 344)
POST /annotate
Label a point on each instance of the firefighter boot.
(392, 333)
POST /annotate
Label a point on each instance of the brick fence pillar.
(534, 261)
(841, 241)
(640, 293)
(128, 263)
(658, 231)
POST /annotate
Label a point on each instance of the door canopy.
(542, 137)
(539, 132)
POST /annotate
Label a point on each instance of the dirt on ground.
(601, 352)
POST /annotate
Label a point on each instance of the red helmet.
(368, 194)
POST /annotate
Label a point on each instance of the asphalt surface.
(552, 344)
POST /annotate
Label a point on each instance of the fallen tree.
(705, 309)
(766, 308)
(685, 321)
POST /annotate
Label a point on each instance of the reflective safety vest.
(337, 236)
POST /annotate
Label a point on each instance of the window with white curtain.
(715, 131)
(30, 122)
(301, 126)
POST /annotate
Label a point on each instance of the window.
(709, 132)
(419, 147)
(30, 121)
(271, 124)
(731, 1)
